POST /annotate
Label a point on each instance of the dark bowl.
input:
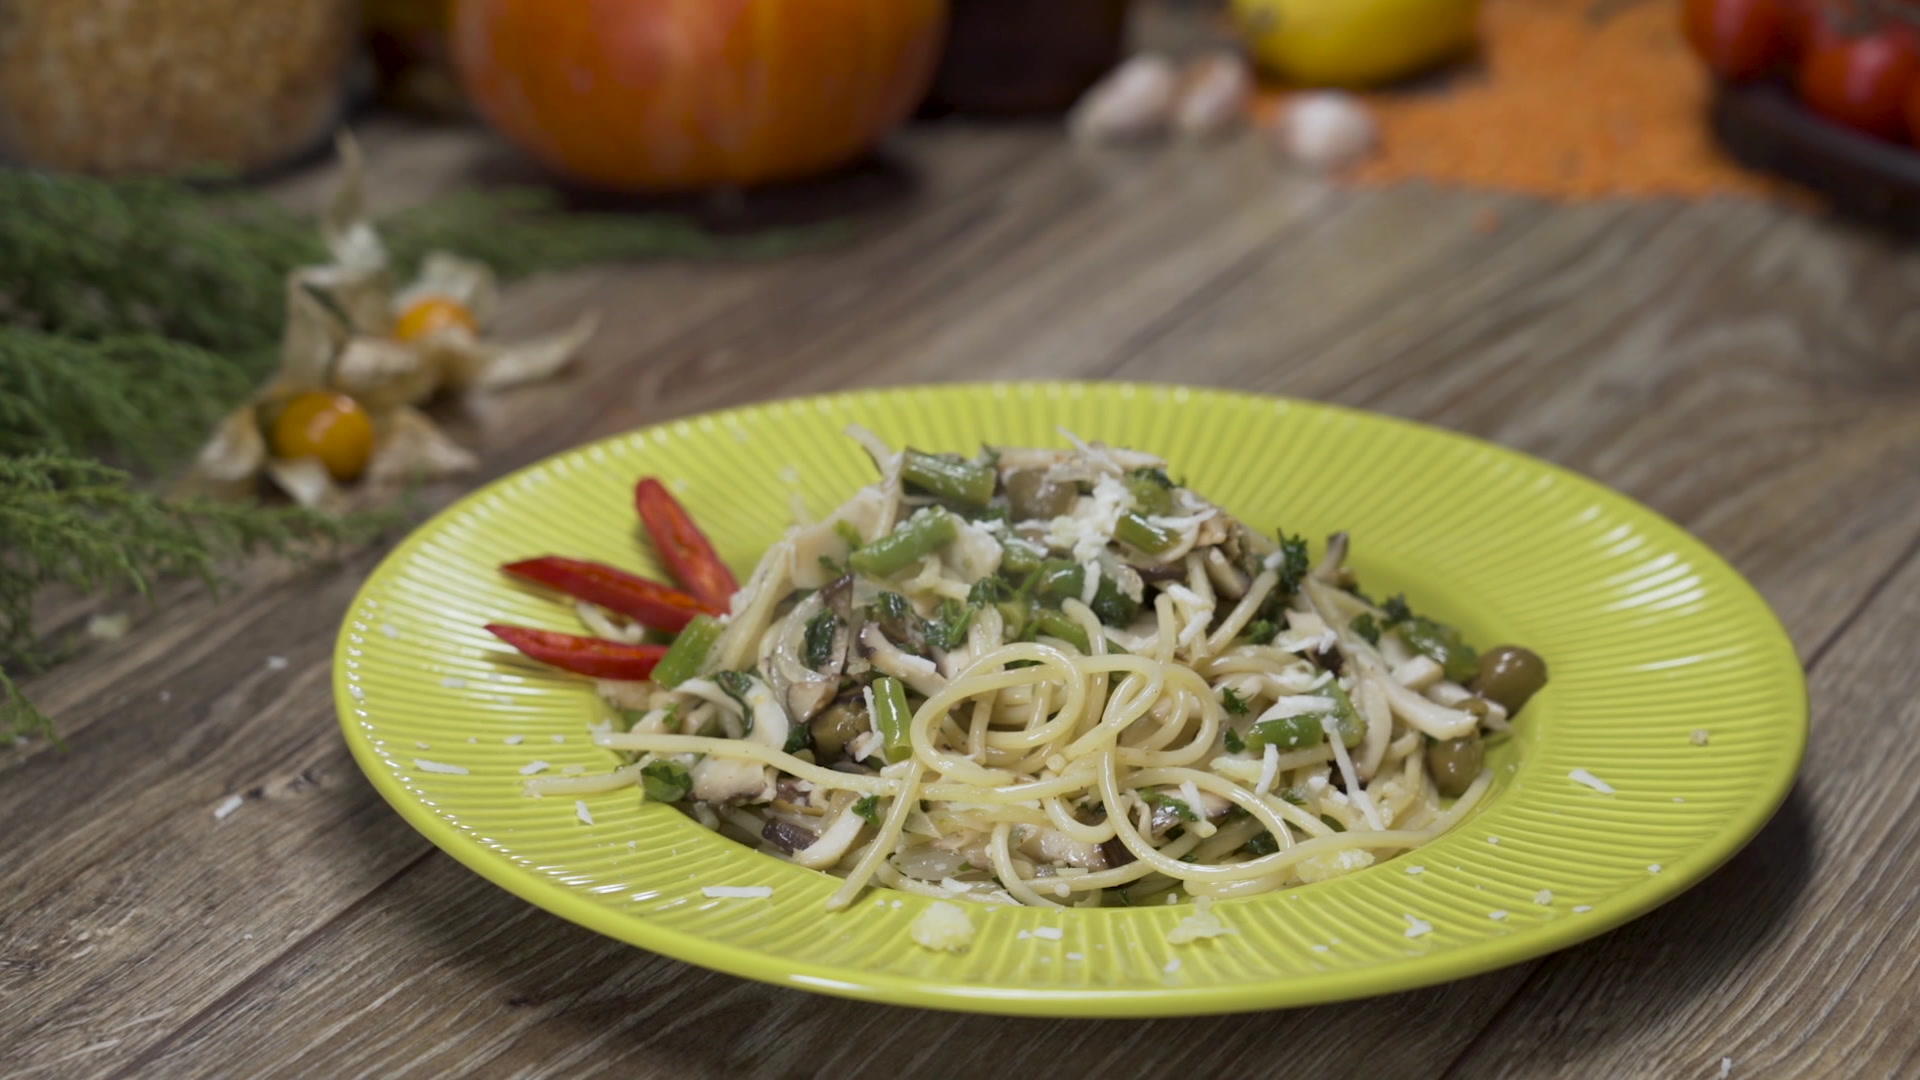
(1764, 126)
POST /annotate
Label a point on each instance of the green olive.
(1034, 497)
(837, 725)
(1510, 675)
(1454, 763)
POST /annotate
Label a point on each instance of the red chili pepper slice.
(682, 546)
(649, 602)
(597, 657)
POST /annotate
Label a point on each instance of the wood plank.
(471, 979)
(1695, 360)
(1797, 957)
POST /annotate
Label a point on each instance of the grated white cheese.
(1173, 965)
(1726, 1067)
(423, 745)
(1417, 927)
(532, 767)
(1090, 581)
(1203, 923)
(559, 738)
(1699, 737)
(276, 663)
(1022, 936)
(514, 740)
(580, 811)
(942, 927)
(1493, 839)
(358, 693)
(227, 806)
(1582, 776)
(1582, 909)
(1049, 933)
(1496, 916)
(1269, 769)
(1653, 868)
(435, 766)
(390, 630)
(1076, 956)
(452, 682)
(1320, 948)
(1416, 869)
(1543, 897)
(1190, 793)
(736, 892)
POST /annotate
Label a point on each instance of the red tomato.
(1861, 82)
(1741, 39)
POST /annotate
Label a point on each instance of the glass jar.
(1016, 57)
(150, 87)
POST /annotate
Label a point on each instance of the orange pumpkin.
(675, 94)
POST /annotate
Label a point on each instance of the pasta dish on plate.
(1051, 677)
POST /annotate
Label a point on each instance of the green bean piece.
(1061, 581)
(965, 482)
(1014, 615)
(1443, 644)
(1287, 732)
(916, 538)
(1019, 558)
(892, 719)
(1055, 625)
(1151, 490)
(688, 652)
(1137, 532)
(1346, 718)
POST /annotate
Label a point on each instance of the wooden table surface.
(1754, 373)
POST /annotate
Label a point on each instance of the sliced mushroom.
(917, 672)
(1052, 845)
(787, 836)
(833, 844)
(731, 780)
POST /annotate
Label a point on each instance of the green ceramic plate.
(1649, 635)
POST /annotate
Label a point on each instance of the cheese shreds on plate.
(943, 927)
(1050, 933)
(1543, 897)
(1203, 923)
(736, 892)
(1417, 927)
(1582, 776)
(532, 767)
(580, 811)
(514, 740)
(1496, 916)
(435, 766)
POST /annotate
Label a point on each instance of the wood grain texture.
(1747, 371)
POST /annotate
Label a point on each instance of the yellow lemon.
(1353, 43)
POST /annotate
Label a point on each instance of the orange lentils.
(1570, 99)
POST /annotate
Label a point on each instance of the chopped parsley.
(868, 807)
(1260, 632)
(846, 532)
(736, 685)
(1235, 744)
(1179, 807)
(665, 781)
(1396, 610)
(1235, 704)
(1293, 562)
(819, 639)
(1263, 844)
(1364, 625)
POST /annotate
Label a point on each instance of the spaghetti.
(1058, 678)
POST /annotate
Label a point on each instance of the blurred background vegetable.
(661, 95)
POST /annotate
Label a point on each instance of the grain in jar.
(130, 87)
